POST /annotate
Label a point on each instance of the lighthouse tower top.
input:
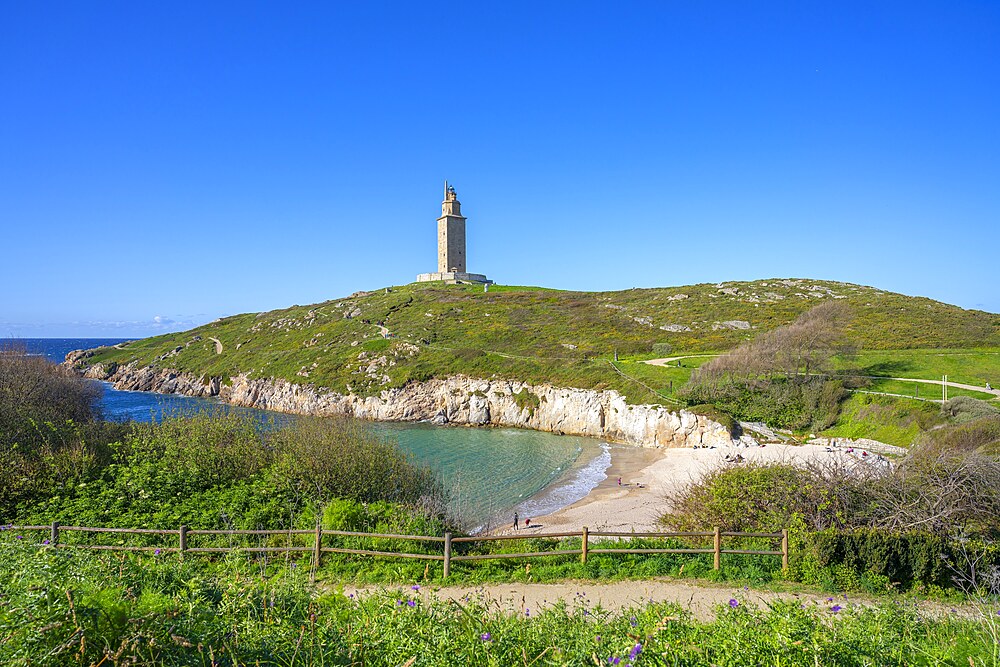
(450, 205)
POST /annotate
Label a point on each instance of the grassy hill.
(534, 334)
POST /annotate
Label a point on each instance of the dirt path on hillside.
(218, 344)
(667, 360)
(957, 385)
(703, 599)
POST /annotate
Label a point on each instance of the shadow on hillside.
(894, 368)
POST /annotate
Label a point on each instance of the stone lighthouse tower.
(451, 233)
(451, 244)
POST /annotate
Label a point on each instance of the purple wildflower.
(829, 599)
(527, 612)
(835, 608)
(633, 621)
(20, 537)
(597, 638)
(486, 637)
(634, 653)
(157, 552)
(614, 660)
(415, 587)
(733, 603)
(399, 603)
(411, 603)
(45, 542)
(350, 595)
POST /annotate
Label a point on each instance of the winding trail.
(957, 385)
(666, 360)
(702, 598)
(218, 344)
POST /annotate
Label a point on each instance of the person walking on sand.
(515, 521)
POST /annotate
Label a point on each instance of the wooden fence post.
(584, 545)
(318, 545)
(447, 554)
(784, 550)
(718, 549)
(54, 534)
(183, 539)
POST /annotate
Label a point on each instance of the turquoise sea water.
(488, 472)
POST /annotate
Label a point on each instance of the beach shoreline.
(648, 474)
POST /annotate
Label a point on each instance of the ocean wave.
(576, 487)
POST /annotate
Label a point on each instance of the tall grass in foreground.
(61, 607)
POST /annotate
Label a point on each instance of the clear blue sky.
(161, 166)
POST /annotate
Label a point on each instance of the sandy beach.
(647, 474)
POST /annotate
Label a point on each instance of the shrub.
(966, 436)
(327, 458)
(965, 408)
(195, 452)
(662, 349)
(776, 401)
(756, 497)
(527, 400)
(902, 560)
(34, 392)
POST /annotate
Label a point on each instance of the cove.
(488, 472)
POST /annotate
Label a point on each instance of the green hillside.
(535, 334)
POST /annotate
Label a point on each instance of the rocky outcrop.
(148, 378)
(455, 400)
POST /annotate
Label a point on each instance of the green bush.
(527, 400)
(965, 408)
(969, 435)
(662, 349)
(777, 402)
(879, 560)
(327, 458)
(756, 497)
(217, 471)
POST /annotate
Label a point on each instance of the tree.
(796, 350)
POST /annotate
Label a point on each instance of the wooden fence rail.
(318, 548)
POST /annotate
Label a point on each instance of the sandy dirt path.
(702, 599)
(218, 344)
(667, 360)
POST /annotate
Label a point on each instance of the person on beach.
(515, 522)
(527, 522)
(619, 481)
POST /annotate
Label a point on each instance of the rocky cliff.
(455, 400)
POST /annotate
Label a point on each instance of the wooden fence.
(180, 545)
